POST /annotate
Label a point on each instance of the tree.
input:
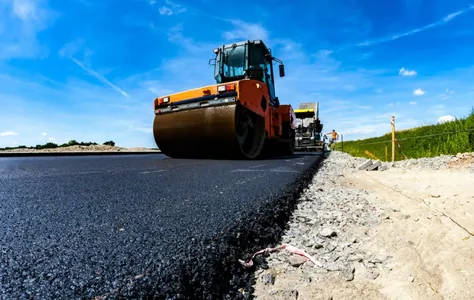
(109, 143)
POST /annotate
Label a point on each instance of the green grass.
(425, 141)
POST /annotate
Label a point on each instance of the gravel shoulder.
(402, 233)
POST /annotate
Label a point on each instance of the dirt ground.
(425, 237)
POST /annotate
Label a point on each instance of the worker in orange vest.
(334, 137)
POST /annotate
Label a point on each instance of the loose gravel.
(331, 222)
(318, 226)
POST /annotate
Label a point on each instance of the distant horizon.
(325, 131)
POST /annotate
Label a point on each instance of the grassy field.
(425, 141)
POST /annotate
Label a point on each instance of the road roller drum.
(224, 131)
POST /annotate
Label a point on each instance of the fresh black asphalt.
(139, 226)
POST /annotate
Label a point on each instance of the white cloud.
(412, 102)
(25, 19)
(418, 92)
(361, 130)
(8, 133)
(446, 95)
(141, 128)
(44, 134)
(438, 110)
(244, 30)
(176, 36)
(25, 9)
(406, 72)
(438, 23)
(446, 118)
(171, 8)
(76, 48)
(165, 11)
(99, 77)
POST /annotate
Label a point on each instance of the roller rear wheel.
(250, 131)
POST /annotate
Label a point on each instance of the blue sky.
(90, 69)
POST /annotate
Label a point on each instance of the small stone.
(327, 232)
(348, 274)
(370, 265)
(272, 292)
(373, 274)
(290, 294)
(333, 267)
(378, 259)
(296, 260)
(268, 279)
(355, 257)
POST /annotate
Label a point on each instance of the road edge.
(215, 260)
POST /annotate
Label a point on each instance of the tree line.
(51, 145)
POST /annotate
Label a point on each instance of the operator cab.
(247, 60)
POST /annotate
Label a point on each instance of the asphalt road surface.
(73, 227)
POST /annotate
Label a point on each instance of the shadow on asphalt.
(296, 155)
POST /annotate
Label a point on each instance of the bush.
(109, 143)
(47, 146)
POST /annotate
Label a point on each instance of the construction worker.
(334, 137)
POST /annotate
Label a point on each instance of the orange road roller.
(239, 117)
